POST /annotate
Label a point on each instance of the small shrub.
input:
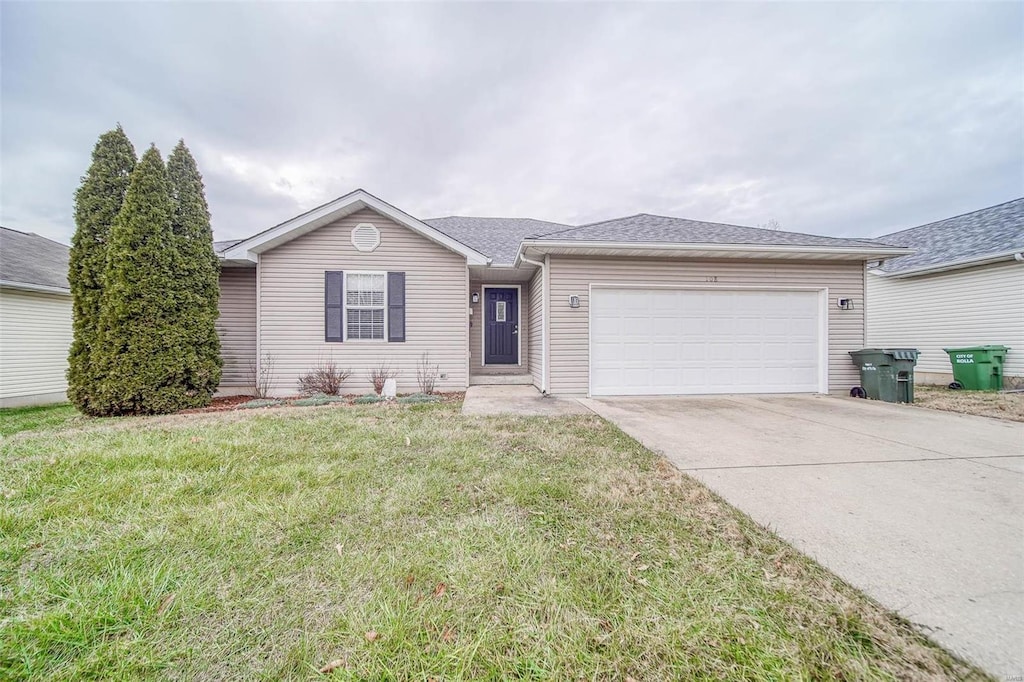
(368, 399)
(262, 378)
(379, 374)
(417, 398)
(426, 374)
(260, 402)
(326, 378)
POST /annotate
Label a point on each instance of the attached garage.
(692, 326)
(676, 341)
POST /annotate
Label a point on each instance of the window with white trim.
(365, 299)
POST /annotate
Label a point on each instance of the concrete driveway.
(922, 510)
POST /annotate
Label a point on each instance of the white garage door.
(685, 341)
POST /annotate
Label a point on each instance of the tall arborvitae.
(198, 288)
(97, 203)
(141, 342)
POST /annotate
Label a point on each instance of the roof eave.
(29, 286)
(948, 266)
(249, 249)
(867, 253)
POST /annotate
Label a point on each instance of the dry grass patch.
(982, 403)
(405, 543)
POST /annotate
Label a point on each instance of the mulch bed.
(228, 402)
(231, 402)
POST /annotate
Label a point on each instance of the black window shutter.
(396, 306)
(334, 306)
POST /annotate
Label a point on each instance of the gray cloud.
(845, 119)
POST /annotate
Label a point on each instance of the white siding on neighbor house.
(569, 334)
(476, 330)
(291, 295)
(972, 307)
(35, 335)
(535, 316)
(236, 325)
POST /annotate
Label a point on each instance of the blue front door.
(501, 326)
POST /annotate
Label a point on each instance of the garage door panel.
(668, 325)
(669, 341)
(665, 353)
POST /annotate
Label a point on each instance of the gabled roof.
(499, 238)
(28, 261)
(992, 233)
(504, 241)
(647, 228)
(357, 200)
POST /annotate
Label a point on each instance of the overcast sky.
(844, 119)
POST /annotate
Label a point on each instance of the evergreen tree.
(198, 274)
(141, 360)
(97, 202)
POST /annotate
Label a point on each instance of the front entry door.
(501, 326)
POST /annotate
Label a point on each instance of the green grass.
(266, 544)
(13, 420)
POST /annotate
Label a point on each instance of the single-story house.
(643, 305)
(962, 286)
(35, 319)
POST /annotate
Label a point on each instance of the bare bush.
(379, 374)
(326, 377)
(261, 376)
(426, 374)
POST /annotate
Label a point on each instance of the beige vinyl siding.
(972, 307)
(535, 320)
(236, 325)
(569, 335)
(291, 320)
(476, 331)
(35, 335)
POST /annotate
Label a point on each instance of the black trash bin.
(885, 374)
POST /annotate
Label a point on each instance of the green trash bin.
(977, 368)
(885, 374)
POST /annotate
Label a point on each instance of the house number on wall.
(711, 278)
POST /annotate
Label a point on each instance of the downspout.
(543, 323)
(258, 365)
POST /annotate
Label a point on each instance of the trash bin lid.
(895, 353)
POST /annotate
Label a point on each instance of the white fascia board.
(28, 286)
(542, 245)
(351, 202)
(972, 262)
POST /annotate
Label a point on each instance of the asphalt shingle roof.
(30, 259)
(989, 231)
(646, 228)
(225, 245)
(497, 238)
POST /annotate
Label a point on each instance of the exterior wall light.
(475, 297)
(845, 304)
(574, 301)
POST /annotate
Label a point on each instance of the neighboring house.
(35, 319)
(636, 306)
(962, 286)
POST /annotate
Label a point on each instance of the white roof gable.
(339, 208)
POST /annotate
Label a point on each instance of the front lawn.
(15, 419)
(404, 543)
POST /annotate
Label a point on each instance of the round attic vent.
(365, 237)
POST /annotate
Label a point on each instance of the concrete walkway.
(520, 400)
(923, 510)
